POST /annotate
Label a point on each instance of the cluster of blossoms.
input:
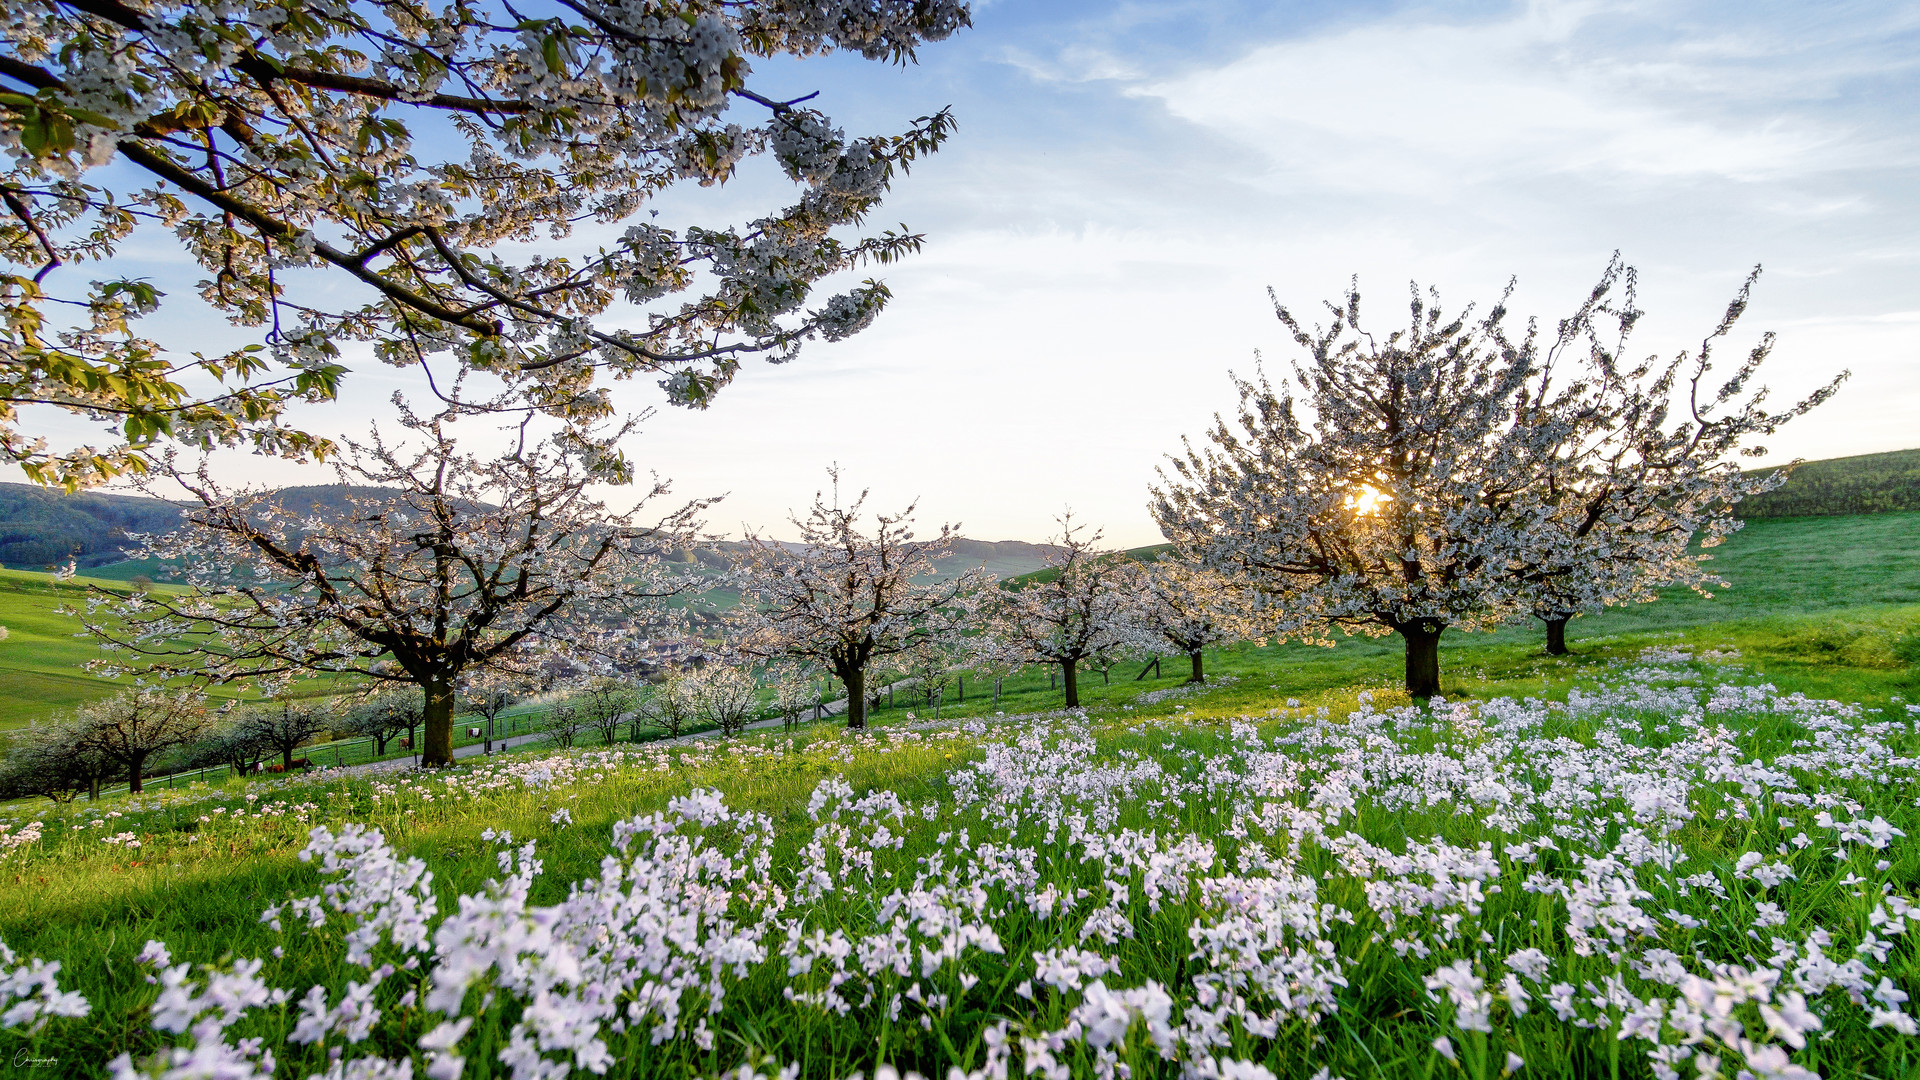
(272, 145)
(1699, 874)
(29, 995)
(1174, 693)
(12, 839)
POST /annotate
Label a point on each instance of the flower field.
(1676, 872)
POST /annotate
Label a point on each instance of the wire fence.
(468, 731)
(338, 753)
(323, 755)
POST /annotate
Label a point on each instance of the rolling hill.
(42, 528)
(1866, 484)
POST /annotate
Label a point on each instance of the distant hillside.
(1867, 484)
(1044, 574)
(41, 528)
(1003, 558)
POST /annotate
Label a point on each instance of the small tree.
(644, 692)
(796, 687)
(1192, 609)
(849, 600)
(131, 727)
(487, 698)
(284, 726)
(54, 761)
(236, 746)
(726, 696)
(671, 703)
(1077, 608)
(604, 703)
(443, 564)
(931, 668)
(565, 722)
(1107, 659)
(383, 716)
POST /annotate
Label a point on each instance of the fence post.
(996, 691)
(962, 695)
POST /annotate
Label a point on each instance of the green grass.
(1819, 602)
(43, 658)
(1820, 606)
(200, 881)
(1843, 654)
(42, 661)
(1792, 565)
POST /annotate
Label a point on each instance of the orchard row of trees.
(142, 732)
(1449, 474)
(124, 738)
(1456, 473)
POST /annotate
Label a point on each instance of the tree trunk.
(286, 759)
(855, 681)
(135, 765)
(1072, 679)
(1423, 656)
(438, 718)
(1556, 634)
(1199, 672)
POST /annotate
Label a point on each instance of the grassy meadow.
(43, 658)
(1782, 570)
(1684, 851)
(1821, 602)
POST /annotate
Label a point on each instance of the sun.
(1368, 500)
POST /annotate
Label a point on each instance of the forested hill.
(41, 528)
(1867, 484)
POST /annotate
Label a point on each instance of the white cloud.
(1435, 107)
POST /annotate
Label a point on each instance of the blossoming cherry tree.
(471, 185)
(1397, 508)
(442, 562)
(847, 599)
(1645, 471)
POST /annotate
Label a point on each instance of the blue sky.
(1129, 179)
